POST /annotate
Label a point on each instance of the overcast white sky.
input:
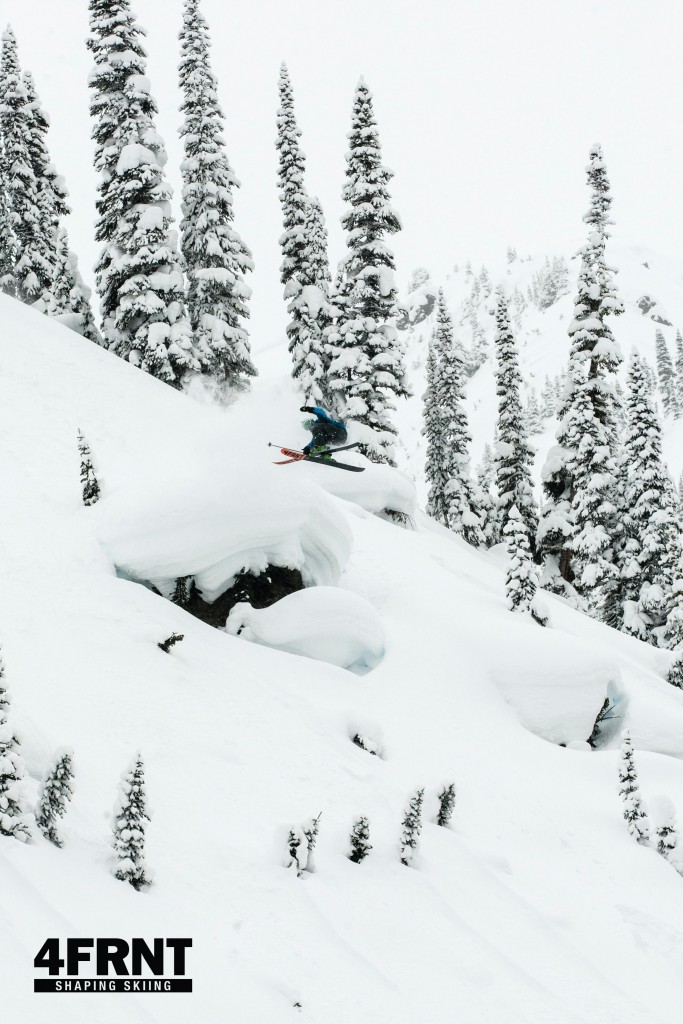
(486, 112)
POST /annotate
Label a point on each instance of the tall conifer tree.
(453, 495)
(651, 548)
(304, 270)
(514, 455)
(33, 257)
(52, 193)
(679, 368)
(216, 258)
(367, 360)
(579, 478)
(667, 377)
(139, 277)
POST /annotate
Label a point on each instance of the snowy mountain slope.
(650, 286)
(535, 907)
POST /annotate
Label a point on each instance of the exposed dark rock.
(260, 591)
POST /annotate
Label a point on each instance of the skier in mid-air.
(325, 431)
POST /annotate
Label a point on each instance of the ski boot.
(321, 451)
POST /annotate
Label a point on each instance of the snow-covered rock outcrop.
(323, 623)
(556, 695)
(145, 529)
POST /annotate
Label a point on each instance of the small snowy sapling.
(54, 796)
(360, 836)
(666, 832)
(182, 590)
(170, 641)
(366, 743)
(446, 805)
(89, 482)
(412, 826)
(635, 814)
(310, 832)
(294, 843)
(130, 815)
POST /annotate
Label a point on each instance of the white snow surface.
(534, 907)
(324, 623)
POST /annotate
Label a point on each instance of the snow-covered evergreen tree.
(182, 591)
(310, 831)
(514, 455)
(13, 813)
(34, 252)
(367, 368)
(130, 816)
(318, 253)
(412, 827)
(54, 796)
(534, 420)
(418, 279)
(651, 548)
(296, 859)
(679, 368)
(668, 384)
(550, 283)
(487, 498)
(521, 581)
(69, 300)
(216, 258)
(453, 495)
(139, 276)
(8, 240)
(89, 482)
(436, 469)
(548, 399)
(674, 675)
(52, 193)
(305, 265)
(360, 840)
(446, 805)
(311, 310)
(579, 477)
(663, 815)
(519, 304)
(292, 165)
(673, 634)
(635, 814)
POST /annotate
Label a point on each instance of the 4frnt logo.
(113, 965)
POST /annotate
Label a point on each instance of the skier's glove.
(306, 408)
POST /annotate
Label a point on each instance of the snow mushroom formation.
(323, 623)
(233, 530)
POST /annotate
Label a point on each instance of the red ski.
(297, 456)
